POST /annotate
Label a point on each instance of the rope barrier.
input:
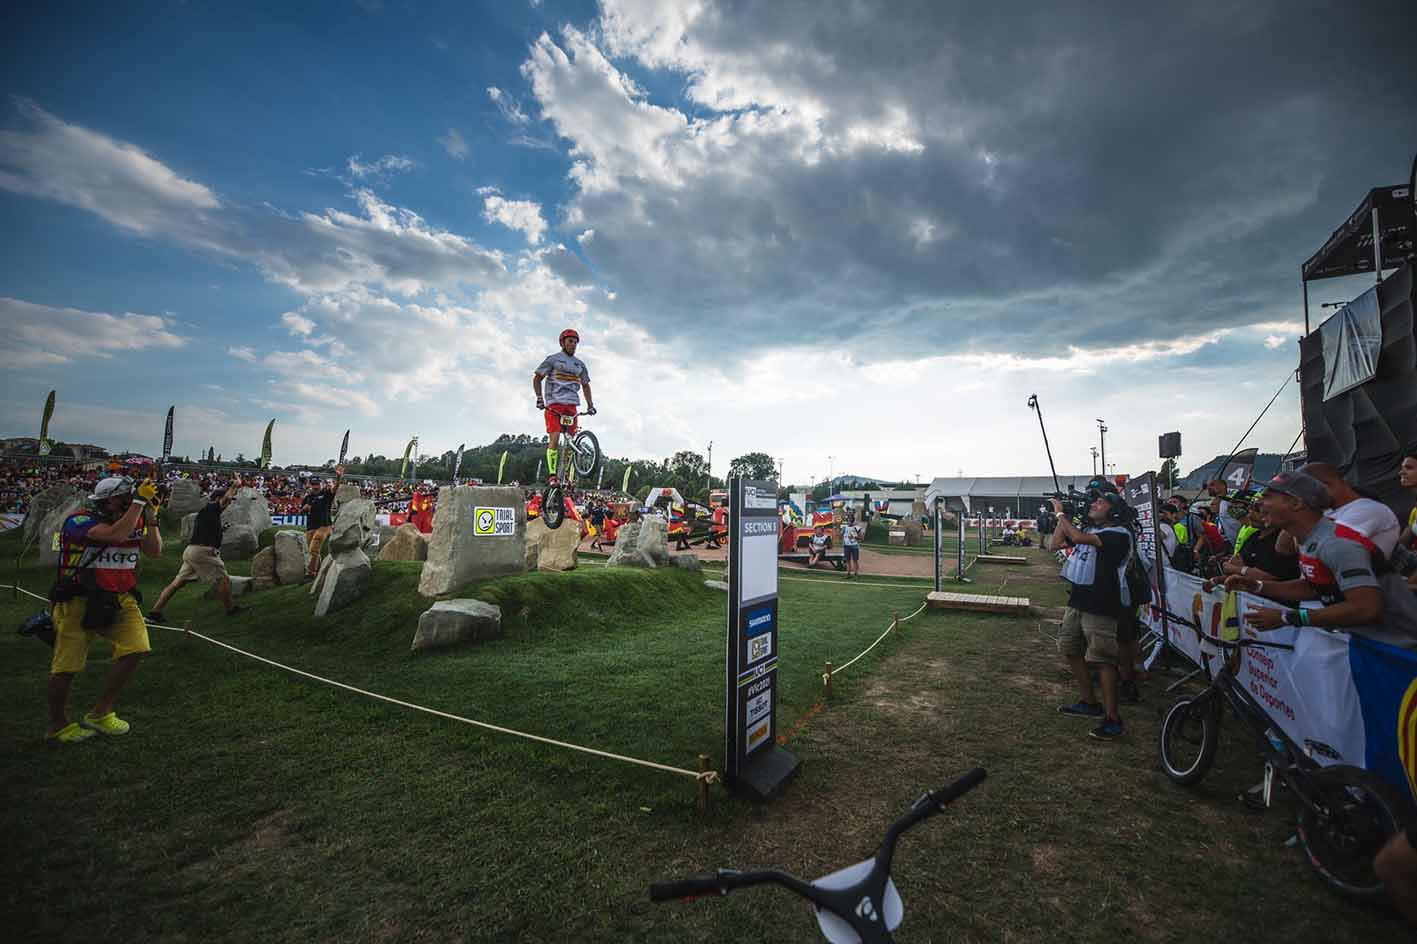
(894, 623)
(707, 776)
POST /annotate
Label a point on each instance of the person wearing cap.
(316, 507)
(1219, 492)
(1370, 523)
(95, 593)
(1098, 595)
(566, 376)
(1264, 553)
(201, 559)
(1336, 570)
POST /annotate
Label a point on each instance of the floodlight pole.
(1102, 434)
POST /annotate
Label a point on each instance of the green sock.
(550, 461)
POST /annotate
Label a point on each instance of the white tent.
(671, 495)
(1021, 492)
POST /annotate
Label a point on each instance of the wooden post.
(703, 798)
(828, 682)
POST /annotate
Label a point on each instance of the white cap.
(113, 485)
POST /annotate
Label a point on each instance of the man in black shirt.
(1095, 569)
(316, 506)
(201, 559)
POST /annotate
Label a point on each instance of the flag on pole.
(44, 443)
(403, 469)
(625, 482)
(537, 477)
(1238, 472)
(501, 467)
(266, 445)
(457, 464)
(600, 476)
(343, 448)
(167, 436)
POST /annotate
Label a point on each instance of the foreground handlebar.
(948, 794)
(686, 888)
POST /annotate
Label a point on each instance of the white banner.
(8, 521)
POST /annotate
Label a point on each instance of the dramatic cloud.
(454, 144)
(37, 335)
(521, 215)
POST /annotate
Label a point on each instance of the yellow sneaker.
(109, 724)
(71, 733)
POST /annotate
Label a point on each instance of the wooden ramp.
(945, 600)
(1001, 559)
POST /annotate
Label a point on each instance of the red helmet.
(568, 333)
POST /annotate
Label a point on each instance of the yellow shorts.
(127, 635)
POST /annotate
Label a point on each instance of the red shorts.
(554, 412)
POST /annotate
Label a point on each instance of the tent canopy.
(1025, 490)
(1349, 251)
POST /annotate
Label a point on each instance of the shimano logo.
(759, 620)
(864, 909)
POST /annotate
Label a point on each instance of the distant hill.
(1266, 467)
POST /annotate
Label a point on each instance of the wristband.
(1303, 616)
(140, 503)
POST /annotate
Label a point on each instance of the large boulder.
(319, 582)
(263, 567)
(914, 531)
(654, 539)
(627, 548)
(478, 532)
(345, 493)
(46, 532)
(552, 549)
(346, 581)
(641, 543)
(239, 541)
(292, 555)
(248, 509)
(46, 501)
(189, 524)
(185, 498)
(689, 562)
(352, 526)
(407, 544)
(450, 622)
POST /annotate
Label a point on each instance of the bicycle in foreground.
(1346, 814)
(583, 450)
(855, 905)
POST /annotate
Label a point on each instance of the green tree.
(754, 465)
(1169, 474)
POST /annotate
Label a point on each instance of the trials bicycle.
(1346, 813)
(855, 905)
(584, 452)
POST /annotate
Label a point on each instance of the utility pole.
(709, 486)
(831, 472)
(779, 471)
(1102, 434)
(1094, 460)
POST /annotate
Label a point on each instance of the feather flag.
(501, 467)
(266, 445)
(407, 450)
(343, 448)
(457, 464)
(537, 477)
(44, 443)
(167, 435)
(625, 482)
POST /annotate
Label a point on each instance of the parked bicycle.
(583, 450)
(856, 904)
(1346, 814)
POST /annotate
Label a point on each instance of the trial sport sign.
(752, 757)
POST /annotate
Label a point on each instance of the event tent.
(1019, 494)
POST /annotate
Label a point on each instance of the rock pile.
(344, 573)
(242, 523)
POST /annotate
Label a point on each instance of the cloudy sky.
(853, 235)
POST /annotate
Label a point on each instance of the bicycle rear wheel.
(1190, 734)
(553, 507)
(1358, 814)
(585, 453)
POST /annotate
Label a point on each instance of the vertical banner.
(501, 466)
(44, 443)
(1141, 493)
(343, 448)
(537, 477)
(1238, 472)
(167, 435)
(600, 476)
(403, 469)
(625, 482)
(457, 464)
(753, 758)
(266, 445)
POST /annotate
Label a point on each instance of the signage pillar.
(752, 758)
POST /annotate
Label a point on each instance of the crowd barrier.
(1345, 699)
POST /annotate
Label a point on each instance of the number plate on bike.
(567, 420)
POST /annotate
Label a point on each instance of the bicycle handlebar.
(686, 888)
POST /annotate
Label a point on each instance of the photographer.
(96, 594)
(201, 559)
(1096, 570)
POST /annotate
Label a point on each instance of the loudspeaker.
(1170, 445)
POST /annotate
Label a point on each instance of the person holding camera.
(201, 559)
(1096, 569)
(96, 594)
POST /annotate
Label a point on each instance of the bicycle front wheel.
(1355, 815)
(553, 507)
(585, 453)
(1190, 734)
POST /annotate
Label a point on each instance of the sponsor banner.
(288, 521)
(1018, 524)
(8, 521)
(1343, 699)
(494, 522)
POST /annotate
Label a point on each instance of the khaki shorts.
(202, 563)
(1089, 635)
(127, 635)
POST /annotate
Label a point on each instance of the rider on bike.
(566, 375)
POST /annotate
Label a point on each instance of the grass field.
(249, 804)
